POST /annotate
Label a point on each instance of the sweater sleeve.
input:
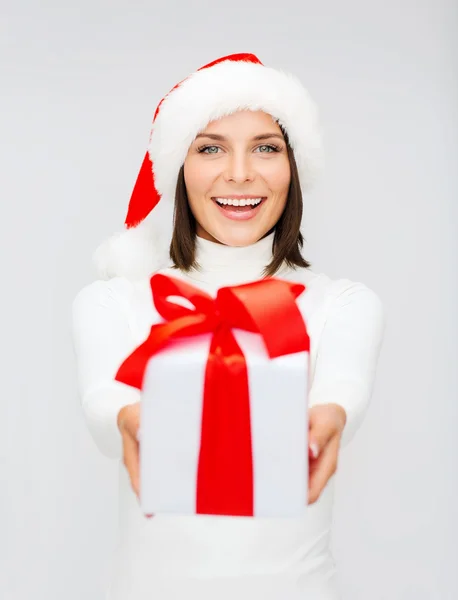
(102, 339)
(348, 353)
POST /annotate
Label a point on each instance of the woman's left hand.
(326, 423)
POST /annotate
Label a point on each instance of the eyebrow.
(256, 138)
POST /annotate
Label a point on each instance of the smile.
(239, 209)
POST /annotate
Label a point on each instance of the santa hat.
(228, 84)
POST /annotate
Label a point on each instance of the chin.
(238, 238)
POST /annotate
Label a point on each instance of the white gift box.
(171, 417)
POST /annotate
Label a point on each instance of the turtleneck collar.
(228, 265)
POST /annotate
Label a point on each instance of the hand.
(326, 423)
(128, 421)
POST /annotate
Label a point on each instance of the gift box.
(224, 385)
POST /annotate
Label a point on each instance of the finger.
(319, 436)
(322, 427)
(323, 468)
(131, 460)
(313, 450)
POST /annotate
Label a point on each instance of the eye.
(268, 148)
(203, 149)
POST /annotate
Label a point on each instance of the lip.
(235, 215)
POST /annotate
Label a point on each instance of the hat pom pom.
(137, 252)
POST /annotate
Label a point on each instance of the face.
(237, 177)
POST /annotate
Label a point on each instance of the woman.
(232, 149)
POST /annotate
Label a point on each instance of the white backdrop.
(79, 84)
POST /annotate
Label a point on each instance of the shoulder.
(346, 292)
(331, 294)
(117, 291)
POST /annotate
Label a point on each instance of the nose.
(239, 168)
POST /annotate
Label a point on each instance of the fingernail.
(314, 449)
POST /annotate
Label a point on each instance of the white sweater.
(170, 556)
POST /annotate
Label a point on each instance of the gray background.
(79, 85)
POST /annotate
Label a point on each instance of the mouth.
(239, 209)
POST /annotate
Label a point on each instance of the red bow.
(267, 307)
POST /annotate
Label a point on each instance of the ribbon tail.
(133, 368)
(225, 469)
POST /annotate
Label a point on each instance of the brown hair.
(288, 239)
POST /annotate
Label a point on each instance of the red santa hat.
(228, 84)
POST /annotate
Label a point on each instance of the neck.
(221, 265)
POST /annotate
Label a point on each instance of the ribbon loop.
(164, 287)
(267, 307)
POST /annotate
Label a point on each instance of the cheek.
(193, 178)
(198, 179)
(278, 177)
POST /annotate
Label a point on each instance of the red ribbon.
(267, 307)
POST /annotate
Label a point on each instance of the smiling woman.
(218, 202)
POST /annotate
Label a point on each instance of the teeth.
(243, 202)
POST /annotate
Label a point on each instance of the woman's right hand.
(128, 424)
(128, 421)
